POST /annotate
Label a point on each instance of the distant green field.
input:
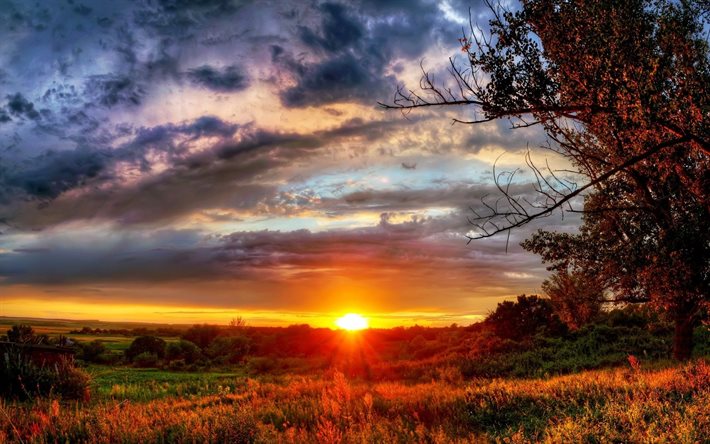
(118, 343)
(39, 329)
(64, 325)
(113, 343)
(135, 384)
(56, 327)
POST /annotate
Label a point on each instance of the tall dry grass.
(621, 405)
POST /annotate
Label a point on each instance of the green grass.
(112, 343)
(125, 383)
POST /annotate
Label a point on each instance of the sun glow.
(352, 321)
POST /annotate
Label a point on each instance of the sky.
(193, 161)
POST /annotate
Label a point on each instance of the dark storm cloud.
(180, 18)
(344, 78)
(355, 43)
(105, 55)
(18, 106)
(339, 30)
(50, 174)
(53, 173)
(228, 79)
(112, 90)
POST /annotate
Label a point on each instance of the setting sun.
(352, 321)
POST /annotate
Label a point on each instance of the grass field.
(135, 405)
(125, 383)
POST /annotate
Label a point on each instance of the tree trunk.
(683, 338)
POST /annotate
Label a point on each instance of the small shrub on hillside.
(146, 360)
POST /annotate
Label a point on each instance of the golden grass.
(621, 405)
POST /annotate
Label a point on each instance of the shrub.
(176, 365)
(145, 360)
(22, 379)
(92, 351)
(229, 349)
(184, 350)
(146, 344)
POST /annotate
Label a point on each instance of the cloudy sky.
(181, 161)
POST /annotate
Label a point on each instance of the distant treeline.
(525, 337)
(520, 338)
(130, 332)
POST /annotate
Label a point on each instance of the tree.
(202, 335)
(524, 318)
(576, 296)
(639, 261)
(620, 89)
(237, 324)
(146, 344)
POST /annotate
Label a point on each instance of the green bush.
(229, 349)
(145, 344)
(592, 346)
(146, 360)
(183, 350)
(92, 351)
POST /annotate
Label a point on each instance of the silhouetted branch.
(517, 215)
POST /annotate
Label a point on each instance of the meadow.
(613, 405)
